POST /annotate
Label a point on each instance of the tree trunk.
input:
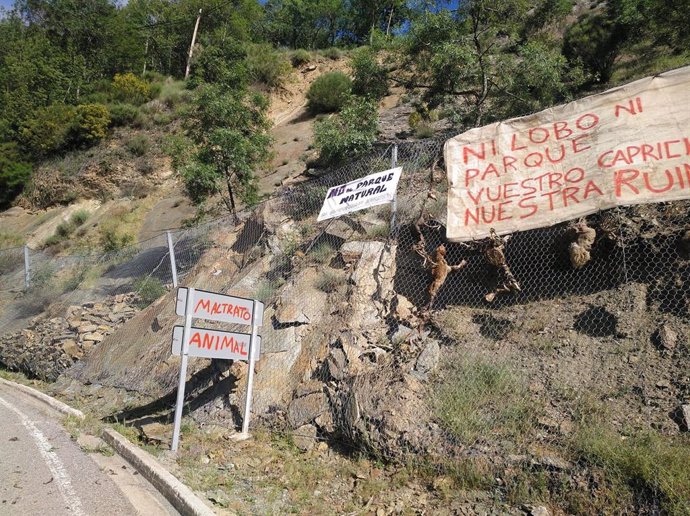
(484, 88)
(390, 18)
(230, 202)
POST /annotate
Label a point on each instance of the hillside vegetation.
(372, 395)
(73, 74)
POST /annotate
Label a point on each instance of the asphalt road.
(44, 472)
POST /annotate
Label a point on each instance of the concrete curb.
(178, 494)
(52, 402)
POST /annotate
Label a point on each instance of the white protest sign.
(628, 145)
(206, 343)
(219, 307)
(365, 192)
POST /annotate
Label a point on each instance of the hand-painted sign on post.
(206, 343)
(365, 192)
(628, 145)
(211, 306)
(200, 342)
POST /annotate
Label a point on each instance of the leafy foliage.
(230, 128)
(122, 114)
(49, 130)
(268, 65)
(92, 122)
(594, 43)
(14, 173)
(149, 290)
(138, 145)
(129, 88)
(224, 65)
(370, 78)
(300, 57)
(329, 92)
(348, 134)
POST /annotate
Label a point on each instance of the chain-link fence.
(544, 366)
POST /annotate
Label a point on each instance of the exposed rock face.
(50, 346)
(385, 412)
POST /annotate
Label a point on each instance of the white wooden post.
(189, 310)
(256, 317)
(173, 265)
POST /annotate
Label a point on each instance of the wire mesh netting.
(549, 365)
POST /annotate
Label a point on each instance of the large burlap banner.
(628, 145)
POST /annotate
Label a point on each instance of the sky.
(449, 3)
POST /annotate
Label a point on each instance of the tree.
(462, 54)
(14, 173)
(475, 60)
(594, 42)
(230, 128)
(370, 77)
(365, 17)
(349, 133)
(303, 23)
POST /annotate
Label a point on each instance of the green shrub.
(92, 122)
(138, 145)
(423, 131)
(149, 290)
(79, 217)
(179, 148)
(112, 239)
(329, 281)
(74, 279)
(226, 65)
(155, 89)
(300, 57)
(329, 92)
(322, 253)
(349, 133)
(130, 88)
(123, 114)
(332, 53)
(14, 173)
(414, 119)
(49, 130)
(67, 227)
(370, 78)
(267, 65)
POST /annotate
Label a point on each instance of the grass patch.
(11, 260)
(300, 57)
(149, 289)
(645, 467)
(329, 281)
(113, 239)
(380, 231)
(322, 253)
(138, 145)
(74, 278)
(66, 228)
(266, 290)
(10, 239)
(477, 400)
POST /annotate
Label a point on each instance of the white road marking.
(54, 463)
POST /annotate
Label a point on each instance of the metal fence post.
(27, 269)
(173, 265)
(394, 202)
